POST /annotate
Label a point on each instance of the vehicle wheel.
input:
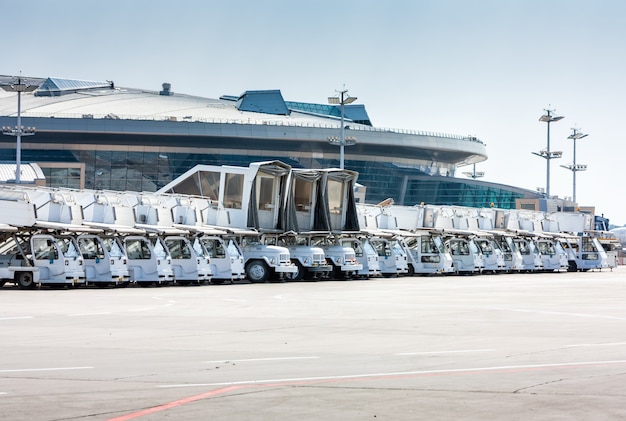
(25, 280)
(296, 276)
(257, 271)
(338, 274)
(411, 271)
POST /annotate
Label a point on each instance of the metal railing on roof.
(249, 121)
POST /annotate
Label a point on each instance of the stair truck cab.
(309, 260)
(225, 255)
(105, 260)
(13, 267)
(531, 257)
(365, 254)
(513, 260)
(584, 253)
(149, 262)
(493, 257)
(392, 258)
(58, 260)
(467, 257)
(342, 259)
(427, 253)
(190, 265)
(262, 262)
(553, 255)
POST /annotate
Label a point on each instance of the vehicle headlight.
(306, 260)
(338, 260)
(273, 260)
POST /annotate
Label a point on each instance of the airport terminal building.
(96, 135)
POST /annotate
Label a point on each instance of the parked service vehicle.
(365, 254)
(427, 253)
(513, 260)
(263, 262)
(392, 258)
(553, 256)
(493, 257)
(190, 265)
(309, 260)
(226, 258)
(46, 259)
(531, 258)
(341, 258)
(584, 253)
(466, 255)
(104, 260)
(13, 267)
(148, 262)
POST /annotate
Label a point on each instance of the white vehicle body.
(513, 260)
(263, 262)
(466, 255)
(553, 255)
(148, 263)
(310, 260)
(427, 254)
(55, 261)
(227, 262)
(342, 259)
(493, 257)
(392, 258)
(104, 259)
(584, 253)
(531, 258)
(190, 265)
(365, 254)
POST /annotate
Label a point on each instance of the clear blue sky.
(487, 68)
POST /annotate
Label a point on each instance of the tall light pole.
(548, 117)
(342, 99)
(574, 168)
(19, 131)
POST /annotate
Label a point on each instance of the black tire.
(411, 271)
(25, 280)
(257, 272)
(296, 276)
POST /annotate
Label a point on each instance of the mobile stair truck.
(36, 244)
(153, 214)
(427, 253)
(148, 261)
(250, 201)
(225, 256)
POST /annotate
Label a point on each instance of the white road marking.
(20, 370)
(445, 352)
(16, 318)
(261, 359)
(559, 313)
(400, 373)
(604, 344)
(88, 314)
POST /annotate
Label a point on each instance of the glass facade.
(150, 170)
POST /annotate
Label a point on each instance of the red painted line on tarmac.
(373, 376)
(174, 404)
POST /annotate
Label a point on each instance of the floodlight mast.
(548, 117)
(574, 168)
(342, 100)
(19, 87)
